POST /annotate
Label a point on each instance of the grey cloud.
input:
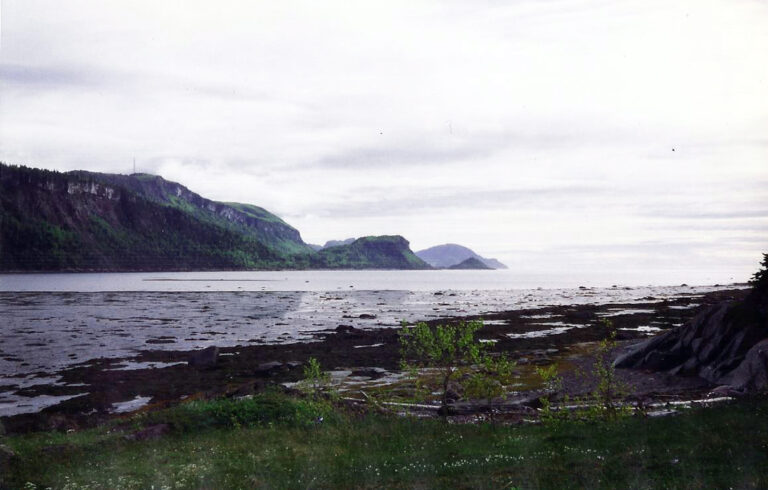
(467, 147)
(711, 215)
(445, 199)
(378, 157)
(224, 91)
(49, 76)
(645, 250)
(715, 225)
(642, 247)
(62, 77)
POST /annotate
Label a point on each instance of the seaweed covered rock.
(206, 358)
(725, 344)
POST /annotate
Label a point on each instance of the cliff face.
(265, 226)
(52, 221)
(55, 221)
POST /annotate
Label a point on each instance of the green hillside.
(55, 221)
(373, 252)
(81, 221)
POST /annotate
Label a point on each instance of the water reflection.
(49, 331)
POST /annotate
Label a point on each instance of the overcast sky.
(584, 134)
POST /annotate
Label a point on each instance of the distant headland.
(88, 221)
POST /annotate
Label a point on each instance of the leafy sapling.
(315, 381)
(553, 383)
(489, 382)
(610, 391)
(445, 348)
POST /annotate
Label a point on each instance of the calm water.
(340, 280)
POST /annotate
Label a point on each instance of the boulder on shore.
(726, 344)
(205, 358)
(752, 373)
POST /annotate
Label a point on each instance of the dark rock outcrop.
(726, 344)
(752, 373)
(206, 358)
(346, 329)
(373, 373)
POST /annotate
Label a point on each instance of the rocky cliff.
(74, 221)
(79, 221)
(726, 344)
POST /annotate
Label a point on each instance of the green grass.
(145, 177)
(256, 212)
(184, 205)
(273, 441)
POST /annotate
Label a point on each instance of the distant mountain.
(494, 264)
(93, 221)
(330, 243)
(444, 256)
(336, 243)
(471, 263)
(372, 252)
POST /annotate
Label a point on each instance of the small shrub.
(553, 383)
(603, 403)
(315, 381)
(489, 382)
(610, 391)
(445, 347)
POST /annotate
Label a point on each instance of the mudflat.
(360, 351)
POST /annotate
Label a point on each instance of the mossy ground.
(276, 441)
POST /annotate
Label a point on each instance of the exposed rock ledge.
(726, 344)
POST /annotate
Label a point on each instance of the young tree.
(315, 379)
(445, 347)
(760, 278)
(610, 391)
(488, 383)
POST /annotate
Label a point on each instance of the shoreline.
(530, 335)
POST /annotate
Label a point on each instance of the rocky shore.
(565, 335)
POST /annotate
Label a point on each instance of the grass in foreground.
(275, 441)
